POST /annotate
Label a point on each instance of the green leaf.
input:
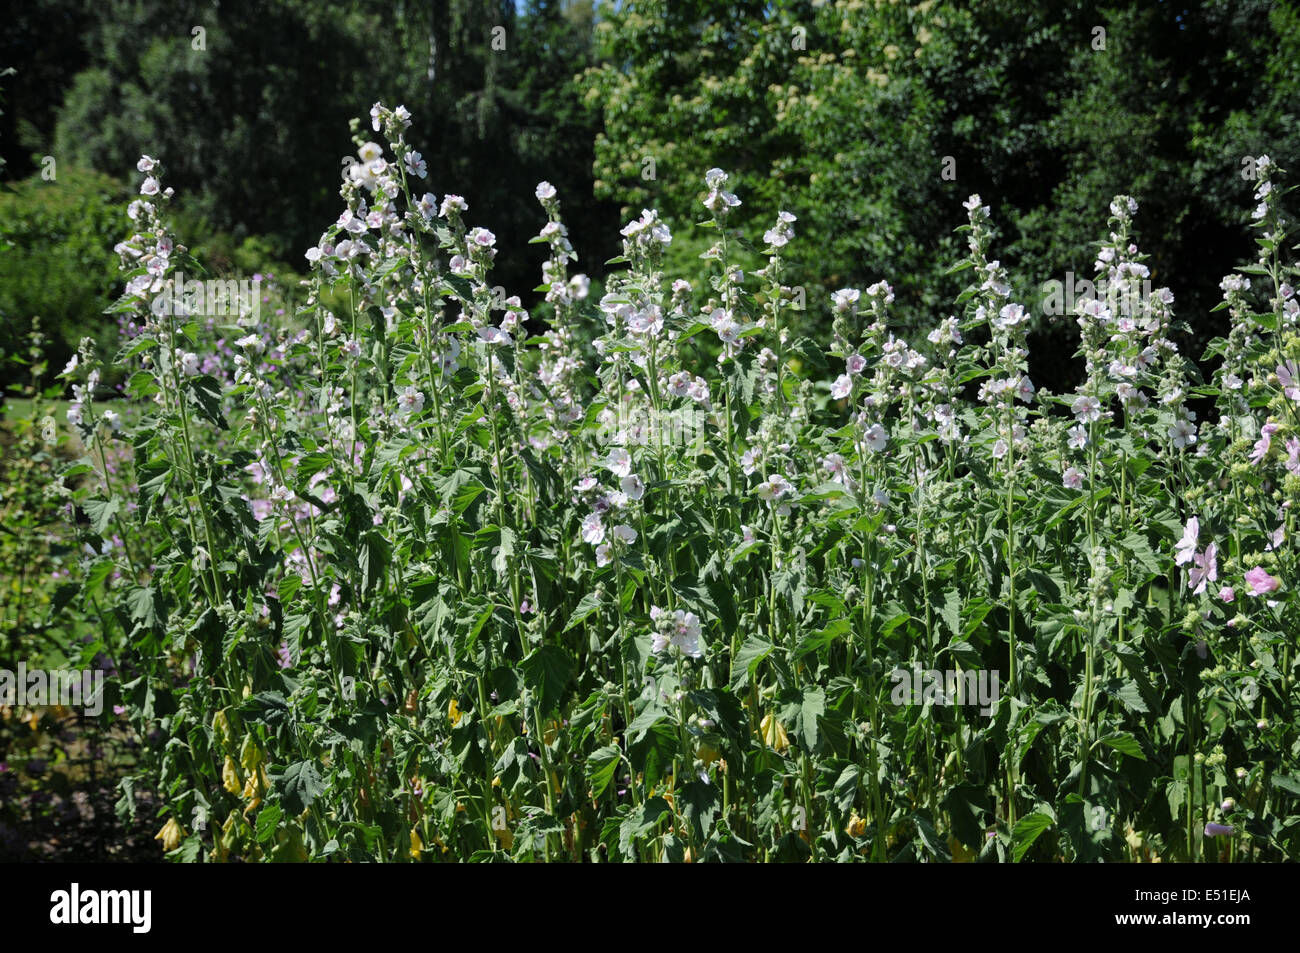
(101, 512)
(207, 396)
(586, 606)
(753, 650)
(1127, 693)
(601, 767)
(1124, 743)
(1027, 830)
(547, 672)
(299, 786)
(268, 819)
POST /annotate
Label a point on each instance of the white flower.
(490, 335)
(625, 533)
(415, 164)
(844, 299)
(593, 529)
(189, 364)
(876, 438)
(370, 151)
(680, 629)
(774, 487)
(149, 186)
(252, 342)
(1086, 408)
(545, 191)
(619, 462)
(1182, 433)
(1072, 479)
(351, 348)
(1186, 546)
(452, 203)
(1078, 437)
(146, 164)
(842, 386)
(410, 401)
(633, 486)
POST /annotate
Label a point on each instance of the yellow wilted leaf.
(170, 835)
(454, 712)
(774, 735)
(230, 775)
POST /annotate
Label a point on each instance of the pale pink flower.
(633, 486)
(774, 487)
(1260, 581)
(1072, 479)
(1186, 546)
(1205, 568)
(842, 386)
(619, 462)
(1086, 408)
(593, 529)
(1288, 375)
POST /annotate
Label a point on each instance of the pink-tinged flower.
(585, 485)
(1086, 409)
(146, 164)
(149, 186)
(834, 465)
(876, 438)
(1078, 437)
(1264, 442)
(856, 364)
(844, 299)
(1260, 581)
(410, 401)
(774, 487)
(593, 529)
(1218, 830)
(490, 335)
(1187, 545)
(1072, 479)
(679, 629)
(1205, 568)
(1182, 433)
(619, 461)
(283, 657)
(1288, 375)
(633, 486)
(625, 533)
(842, 386)
(1293, 455)
(1227, 594)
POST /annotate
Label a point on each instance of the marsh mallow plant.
(416, 574)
